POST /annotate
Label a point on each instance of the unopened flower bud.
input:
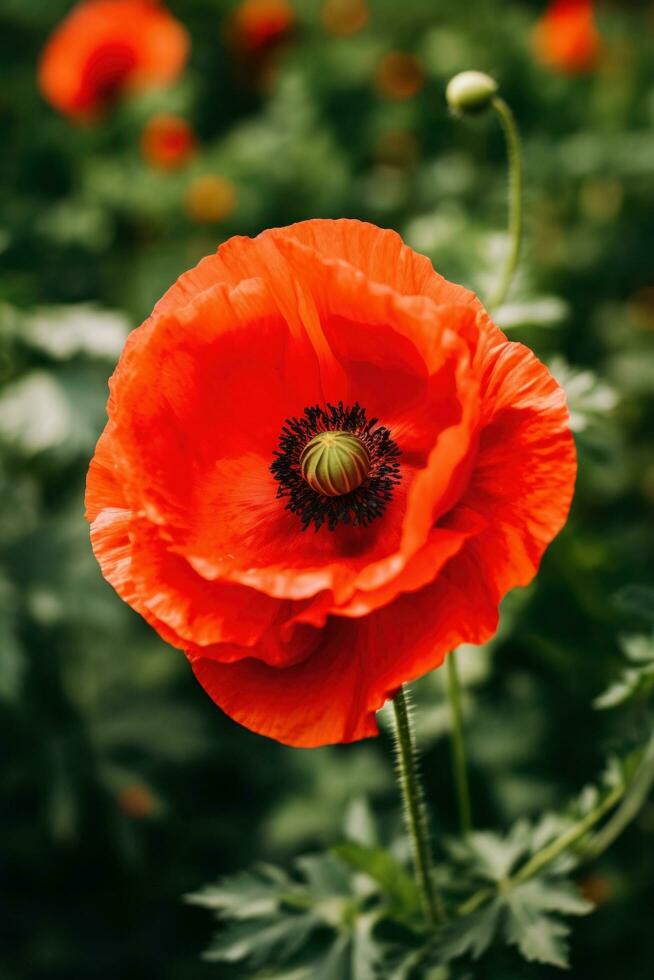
(470, 92)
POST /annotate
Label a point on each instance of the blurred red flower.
(107, 47)
(566, 38)
(168, 142)
(261, 24)
(302, 604)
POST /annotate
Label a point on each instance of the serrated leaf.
(552, 895)
(471, 934)
(638, 648)
(398, 887)
(635, 681)
(260, 940)
(325, 875)
(540, 938)
(636, 600)
(245, 895)
(64, 331)
(490, 856)
(543, 311)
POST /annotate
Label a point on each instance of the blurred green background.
(122, 786)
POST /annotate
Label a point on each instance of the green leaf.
(636, 600)
(533, 922)
(635, 681)
(64, 331)
(490, 856)
(359, 822)
(246, 895)
(269, 918)
(260, 940)
(589, 399)
(398, 887)
(542, 311)
(471, 934)
(554, 895)
(539, 938)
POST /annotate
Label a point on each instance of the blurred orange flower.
(168, 142)
(399, 76)
(566, 37)
(107, 47)
(260, 24)
(210, 198)
(344, 17)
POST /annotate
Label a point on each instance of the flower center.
(334, 463)
(335, 466)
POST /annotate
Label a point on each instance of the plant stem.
(566, 840)
(635, 796)
(514, 157)
(414, 807)
(459, 767)
(549, 853)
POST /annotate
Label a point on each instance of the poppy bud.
(470, 92)
(334, 463)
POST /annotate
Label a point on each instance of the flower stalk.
(549, 853)
(514, 157)
(414, 810)
(634, 799)
(459, 764)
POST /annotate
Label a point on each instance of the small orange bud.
(398, 148)
(210, 198)
(136, 801)
(399, 76)
(344, 17)
(596, 889)
(167, 142)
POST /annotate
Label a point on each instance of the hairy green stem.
(549, 853)
(459, 767)
(514, 156)
(414, 808)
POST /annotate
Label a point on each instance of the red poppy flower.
(168, 142)
(566, 37)
(323, 468)
(106, 47)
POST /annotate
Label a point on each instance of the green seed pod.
(334, 463)
(470, 92)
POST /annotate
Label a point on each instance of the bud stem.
(414, 809)
(459, 767)
(514, 157)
